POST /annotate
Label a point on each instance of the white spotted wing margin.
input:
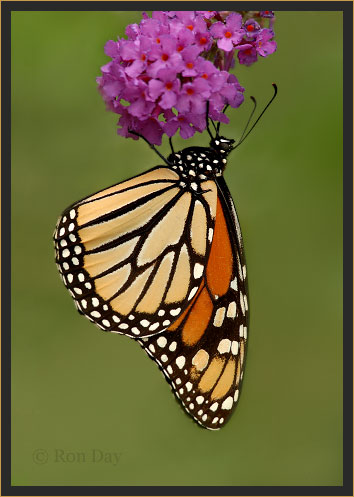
(206, 376)
(132, 255)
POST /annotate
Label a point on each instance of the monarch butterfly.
(160, 258)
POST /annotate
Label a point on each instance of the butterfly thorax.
(200, 163)
(196, 164)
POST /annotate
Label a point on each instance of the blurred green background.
(75, 388)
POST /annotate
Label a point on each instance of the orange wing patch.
(198, 319)
(219, 269)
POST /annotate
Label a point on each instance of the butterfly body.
(159, 258)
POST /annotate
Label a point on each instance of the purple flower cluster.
(160, 78)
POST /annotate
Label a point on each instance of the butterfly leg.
(223, 111)
(151, 146)
(170, 141)
(207, 120)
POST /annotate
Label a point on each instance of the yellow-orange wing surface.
(133, 255)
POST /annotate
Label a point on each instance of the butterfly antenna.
(223, 111)
(249, 120)
(243, 138)
(215, 128)
(150, 145)
(207, 120)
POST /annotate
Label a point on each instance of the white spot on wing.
(242, 304)
(231, 310)
(234, 347)
(175, 312)
(154, 326)
(180, 361)
(227, 404)
(173, 346)
(244, 272)
(245, 302)
(192, 293)
(241, 330)
(161, 341)
(219, 317)
(224, 346)
(198, 270)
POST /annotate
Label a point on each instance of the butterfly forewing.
(133, 255)
(202, 352)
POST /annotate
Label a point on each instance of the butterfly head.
(222, 145)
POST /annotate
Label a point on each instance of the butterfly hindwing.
(202, 353)
(133, 255)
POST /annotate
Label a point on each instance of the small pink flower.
(228, 34)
